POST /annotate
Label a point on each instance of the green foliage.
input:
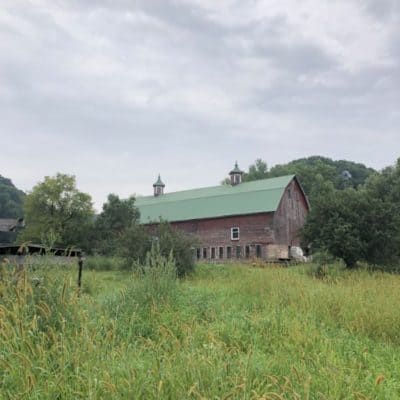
(11, 199)
(226, 332)
(181, 246)
(308, 169)
(156, 278)
(103, 263)
(134, 245)
(358, 225)
(117, 217)
(56, 208)
(138, 241)
(258, 170)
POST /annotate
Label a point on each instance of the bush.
(137, 242)
(181, 246)
(102, 263)
(325, 266)
(323, 257)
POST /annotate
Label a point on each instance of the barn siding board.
(291, 215)
(254, 229)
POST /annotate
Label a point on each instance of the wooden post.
(80, 268)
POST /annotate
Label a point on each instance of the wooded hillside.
(11, 199)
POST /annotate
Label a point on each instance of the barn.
(238, 220)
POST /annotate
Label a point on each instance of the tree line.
(355, 210)
(58, 214)
(355, 214)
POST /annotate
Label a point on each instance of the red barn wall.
(255, 228)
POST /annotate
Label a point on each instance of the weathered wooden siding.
(290, 215)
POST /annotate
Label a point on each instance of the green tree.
(258, 170)
(357, 225)
(116, 218)
(56, 209)
(11, 199)
(383, 191)
(333, 225)
(180, 244)
(342, 174)
(138, 241)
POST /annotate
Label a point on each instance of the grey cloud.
(382, 9)
(117, 91)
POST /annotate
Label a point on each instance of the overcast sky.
(116, 91)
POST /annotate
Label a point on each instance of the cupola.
(236, 175)
(158, 187)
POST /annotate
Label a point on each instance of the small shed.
(11, 224)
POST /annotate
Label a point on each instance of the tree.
(258, 170)
(357, 225)
(56, 209)
(117, 217)
(11, 199)
(138, 241)
(333, 225)
(181, 245)
(342, 174)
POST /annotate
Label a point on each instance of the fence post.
(80, 268)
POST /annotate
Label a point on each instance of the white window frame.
(238, 233)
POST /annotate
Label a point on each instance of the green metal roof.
(216, 201)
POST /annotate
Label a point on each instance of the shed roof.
(213, 202)
(14, 249)
(10, 224)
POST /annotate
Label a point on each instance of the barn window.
(198, 254)
(228, 252)
(235, 234)
(221, 252)
(247, 251)
(258, 251)
(204, 252)
(238, 251)
(213, 252)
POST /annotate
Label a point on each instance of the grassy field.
(227, 332)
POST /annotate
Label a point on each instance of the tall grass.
(102, 263)
(225, 332)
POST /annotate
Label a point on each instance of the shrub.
(137, 242)
(102, 263)
(325, 266)
(181, 246)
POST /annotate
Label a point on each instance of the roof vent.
(236, 175)
(158, 187)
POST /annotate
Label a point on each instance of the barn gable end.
(291, 214)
